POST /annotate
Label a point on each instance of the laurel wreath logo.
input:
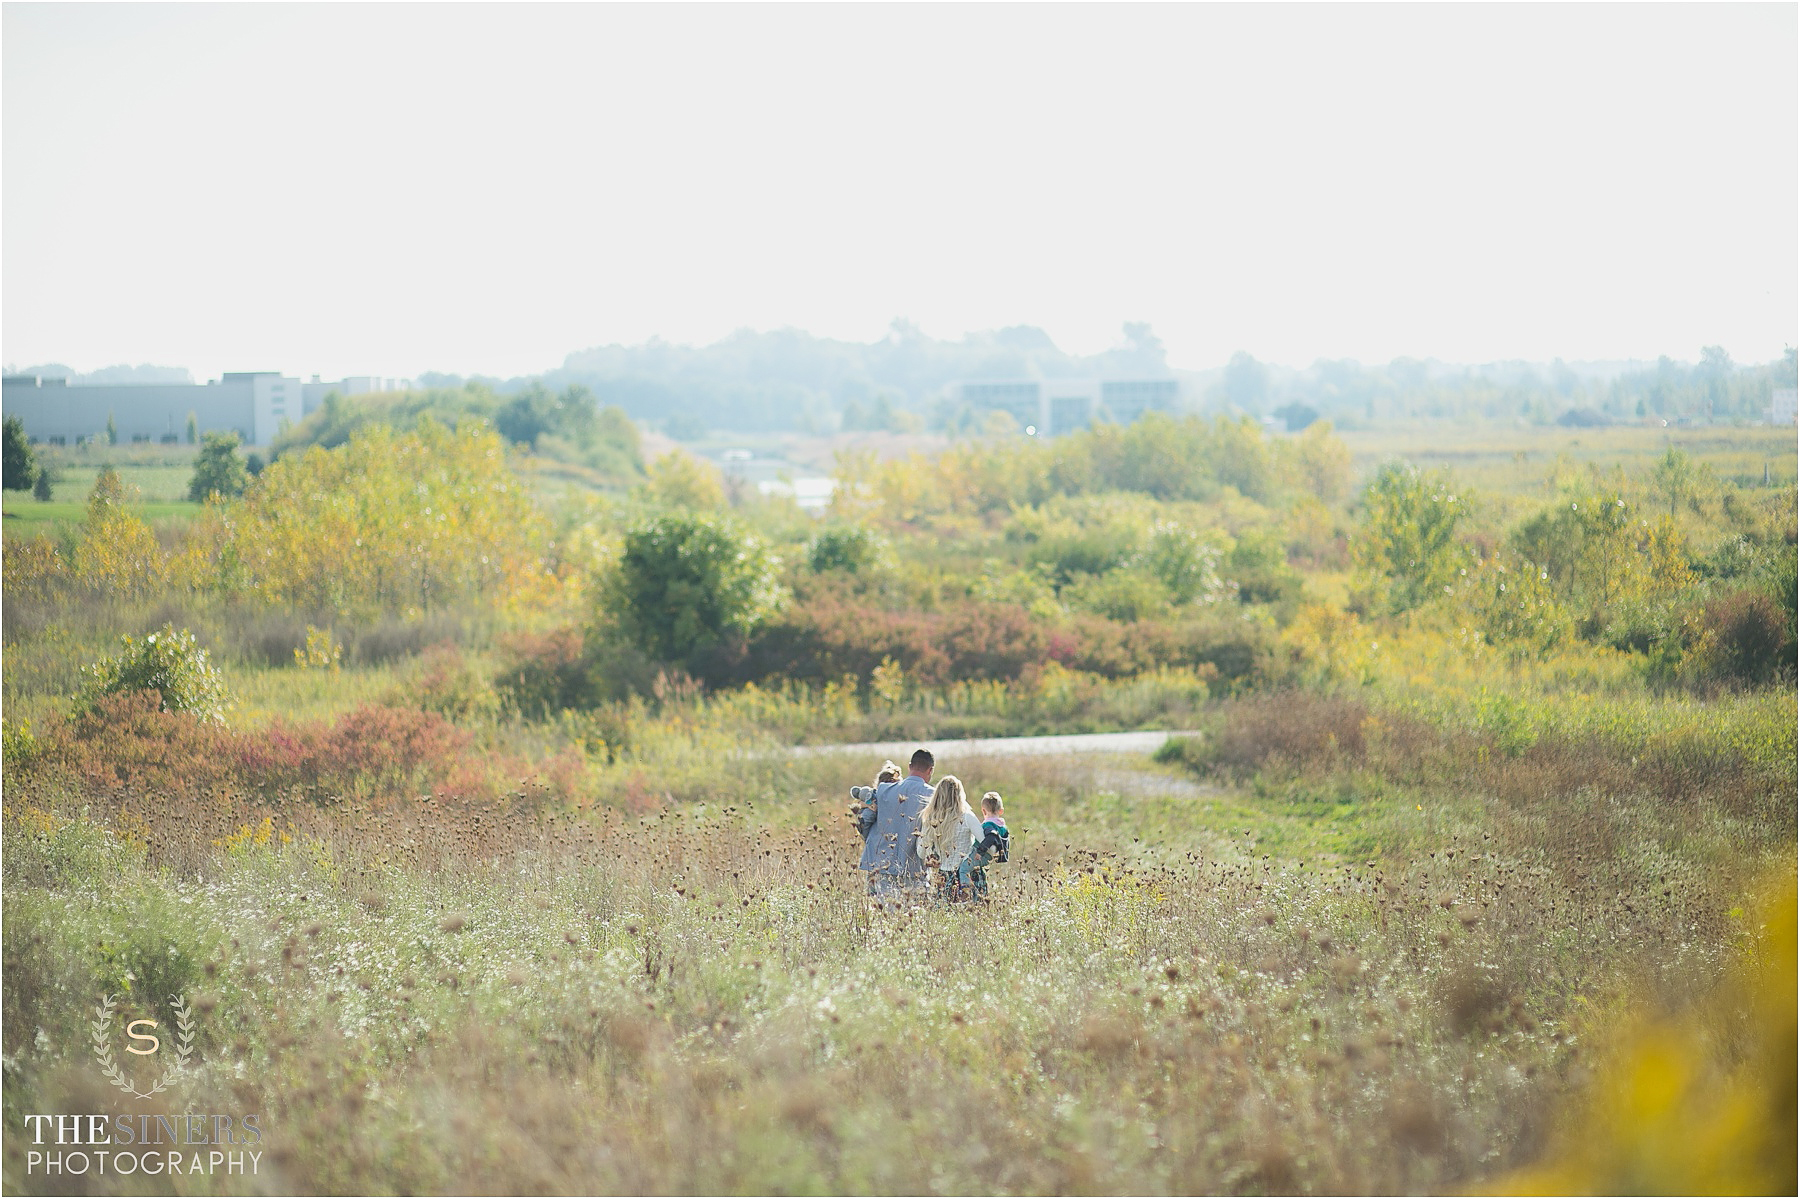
(184, 1046)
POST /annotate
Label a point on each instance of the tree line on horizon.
(787, 380)
(791, 381)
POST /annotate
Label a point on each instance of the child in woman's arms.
(993, 829)
(993, 844)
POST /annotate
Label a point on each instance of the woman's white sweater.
(953, 840)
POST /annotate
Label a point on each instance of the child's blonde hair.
(991, 802)
(890, 773)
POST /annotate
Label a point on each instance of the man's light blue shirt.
(892, 844)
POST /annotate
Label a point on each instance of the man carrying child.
(890, 853)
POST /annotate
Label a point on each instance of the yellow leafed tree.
(117, 553)
(388, 521)
(1666, 567)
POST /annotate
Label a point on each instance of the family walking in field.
(923, 839)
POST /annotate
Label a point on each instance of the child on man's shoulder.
(863, 810)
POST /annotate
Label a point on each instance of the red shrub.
(543, 672)
(373, 748)
(1747, 639)
(991, 641)
(829, 638)
(381, 743)
(127, 740)
(282, 757)
(832, 636)
(1062, 647)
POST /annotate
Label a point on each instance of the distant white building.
(253, 404)
(811, 493)
(1784, 406)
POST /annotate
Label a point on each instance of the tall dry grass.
(515, 994)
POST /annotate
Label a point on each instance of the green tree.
(1297, 416)
(193, 429)
(1407, 544)
(1609, 534)
(217, 468)
(1184, 562)
(685, 582)
(1673, 477)
(999, 423)
(18, 464)
(112, 430)
(572, 426)
(1586, 546)
(1317, 461)
(44, 487)
(1715, 374)
(851, 549)
(169, 662)
(535, 411)
(1551, 541)
(1515, 606)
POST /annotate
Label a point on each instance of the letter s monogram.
(131, 1031)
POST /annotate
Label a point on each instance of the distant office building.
(1023, 400)
(1127, 399)
(252, 404)
(1068, 406)
(1784, 406)
(1056, 406)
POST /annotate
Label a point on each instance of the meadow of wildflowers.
(451, 908)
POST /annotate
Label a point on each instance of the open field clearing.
(1338, 978)
(55, 518)
(476, 828)
(1503, 458)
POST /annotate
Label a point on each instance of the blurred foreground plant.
(1664, 1117)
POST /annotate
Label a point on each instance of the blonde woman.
(948, 831)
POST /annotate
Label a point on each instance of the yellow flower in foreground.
(1666, 1116)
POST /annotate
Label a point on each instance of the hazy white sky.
(391, 189)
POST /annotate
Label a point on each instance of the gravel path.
(1061, 743)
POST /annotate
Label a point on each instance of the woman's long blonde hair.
(938, 822)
